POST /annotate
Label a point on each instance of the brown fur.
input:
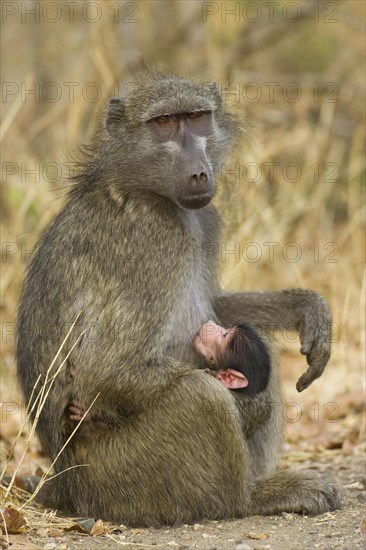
(141, 273)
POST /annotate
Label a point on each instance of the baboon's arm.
(294, 309)
(136, 386)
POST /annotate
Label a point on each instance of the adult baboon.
(132, 254)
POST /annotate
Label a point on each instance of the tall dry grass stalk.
(34, 409)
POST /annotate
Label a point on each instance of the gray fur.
(139, 271)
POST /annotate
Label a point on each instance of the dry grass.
(322, 134)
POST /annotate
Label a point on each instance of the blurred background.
(292, 194)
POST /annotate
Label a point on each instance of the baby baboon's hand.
(77, 412)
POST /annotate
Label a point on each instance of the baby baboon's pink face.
(212, 340)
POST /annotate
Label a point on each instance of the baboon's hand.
(315, 330)
(77, 412)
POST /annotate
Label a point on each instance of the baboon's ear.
(115, 113)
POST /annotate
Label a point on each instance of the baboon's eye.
(197, 114)
(164, 119)
(164, 126)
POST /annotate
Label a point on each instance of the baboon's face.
(169, 137)
(184, 137)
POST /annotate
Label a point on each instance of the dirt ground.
(344, 529)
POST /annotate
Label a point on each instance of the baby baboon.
(240, 359)
(238, 356)
(132, 256)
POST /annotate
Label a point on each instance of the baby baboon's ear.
(115, 114)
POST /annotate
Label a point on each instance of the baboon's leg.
(265, 446)
(288, 491)
(184, 461)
